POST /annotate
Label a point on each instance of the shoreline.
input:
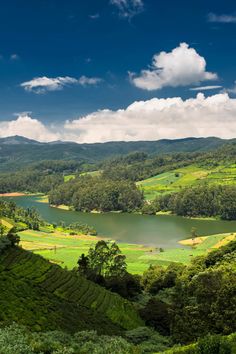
(42, 198)
(13, 194)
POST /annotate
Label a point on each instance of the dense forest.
(199, 201)
(96, 193)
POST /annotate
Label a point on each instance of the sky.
(117, 70)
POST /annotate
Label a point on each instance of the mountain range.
(17, 151)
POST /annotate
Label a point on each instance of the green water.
(161, 231)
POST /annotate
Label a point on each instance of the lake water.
(160, 231)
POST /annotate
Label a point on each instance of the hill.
(18, 151)
(43, 296)
(193, 175)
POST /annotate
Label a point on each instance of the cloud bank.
(181, 67)
(43, 84)
(153, 119)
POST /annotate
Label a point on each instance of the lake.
(160, 231)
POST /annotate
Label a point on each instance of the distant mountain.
(17, 151)
(16, 140)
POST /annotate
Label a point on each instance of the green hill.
(192, 175)
(43, 296)
(18, 151)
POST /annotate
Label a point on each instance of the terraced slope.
(192, 175)
(39, 293)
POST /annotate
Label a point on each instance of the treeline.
(88, 193)
(39, 177)
(205, 200)
(138, 166)
(28, 217)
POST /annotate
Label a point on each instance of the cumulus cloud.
(43, 84)
(153, 119)
(221, 18)
(128, 8)
(158, 118)
(28, 127)
(181, 67)
(205, 88)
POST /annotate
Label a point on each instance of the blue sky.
(66, 60)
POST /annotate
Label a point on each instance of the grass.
(92, 173)
(175, 180)
(68, 177)
(65, 250)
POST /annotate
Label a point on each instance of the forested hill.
(16, 152)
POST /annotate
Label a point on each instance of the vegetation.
(88, 193)
(43, 296)
(201, 201)
(193, 300)
(64, 249)
(17, 339)
(22, 218)
(17, 152)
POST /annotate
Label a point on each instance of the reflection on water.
(160, 231)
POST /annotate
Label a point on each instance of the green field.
(65, 250)
(68, 177)
(175, 180)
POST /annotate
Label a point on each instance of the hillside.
(43, 296)
(18, 151)
(192, 175)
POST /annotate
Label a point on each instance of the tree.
(83, 264)
(103, 260)
(13, 237)
(193, 234)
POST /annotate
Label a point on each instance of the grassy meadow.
(175, 180)
(65, 250)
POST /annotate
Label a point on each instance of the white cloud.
(221, 18)
(204, 88)
(128, 8)
(84, 80)
(181, 67)
(28, 127)
(43, 84)
(153, 119)
(158, 118)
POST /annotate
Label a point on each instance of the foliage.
(148, 340)
(192, 301)
(203, 200)
(210, 344)
(29, 216)
(88, 193)
(17, 339)
(103, 260)
(44, 296)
